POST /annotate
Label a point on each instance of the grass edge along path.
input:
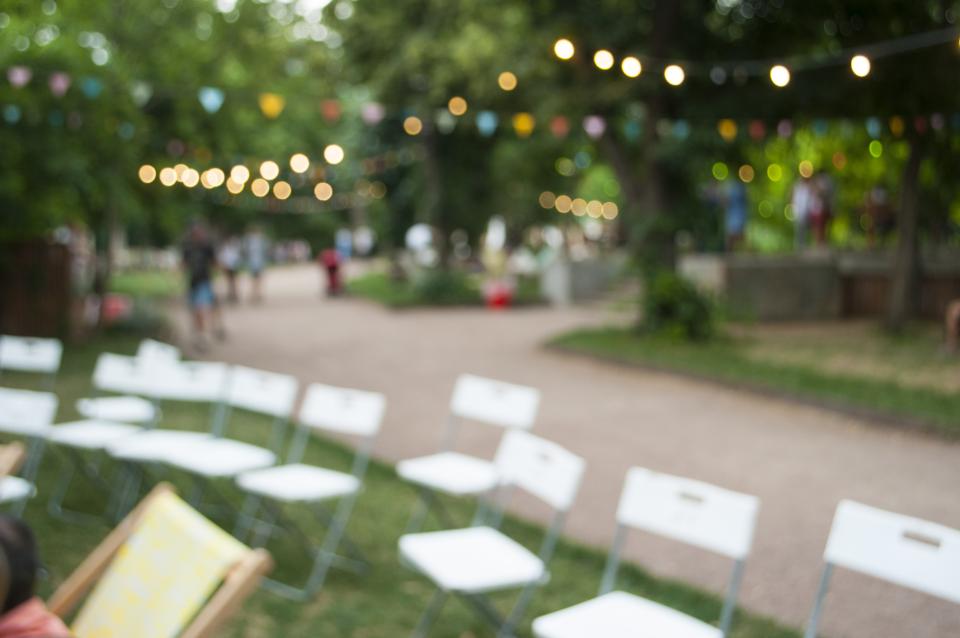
(384, 603)
(721, 362)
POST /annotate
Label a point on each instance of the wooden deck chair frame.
(239, 583)
(12, 456)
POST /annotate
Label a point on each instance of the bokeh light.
(299, 163)
(876, 149)
(147, 174)
(746, 173)
(603, 60)
(674, 75)
(457, 105)
(323, 191)
(269, 170)
(860, 65)
(594, 208)
(180, 169)
(610, 210)
(240, 174)
(720, 171)
(563, 204)
(168, 176)
(412, 125)
(523, 124)
(564, 49)
(631, 67)
(190, 178)
(333, 154)
(805, 168)
(282, 190)
(234, 186)
(579, 207)
(727, 129)
(774, 172)
(839, 160)
(779, 75)
(260, 187)
(507, 81)
(547, 199)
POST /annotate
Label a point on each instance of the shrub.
(446, 288)
(675, 307)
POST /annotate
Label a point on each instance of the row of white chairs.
(474, 561)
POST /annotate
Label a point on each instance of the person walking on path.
(256, 250)
(199, 261)
(230, 259)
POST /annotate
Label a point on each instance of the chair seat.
(154, 445)
(473, 560)
(25, 412)
(91, 434)
(125, 409)
(450, 472)
(621, 615)
(14, 488)
(298, 483)
(220, 458)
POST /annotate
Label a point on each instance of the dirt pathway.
(800, 461)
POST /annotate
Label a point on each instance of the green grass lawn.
(384, 603)
(794, 368)
(147, 283)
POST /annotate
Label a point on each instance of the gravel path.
(799, 460)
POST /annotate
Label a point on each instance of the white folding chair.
(31, 354)
(257, 391)
(509, 406)
(197, 382)
(475, 561)
(325, 409)
(696, 513)
(28, 414)
(902, 550)
(108, 419)
(14, 490)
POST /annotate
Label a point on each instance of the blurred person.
(801, 199)
(230, 259)
(329, 260)
(199, 261)
(734, 214)
(821, 206)
(256, 249)
(23, 614)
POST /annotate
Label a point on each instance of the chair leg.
(419, 514)
(430, 614)
(35, 448)
(246, 517)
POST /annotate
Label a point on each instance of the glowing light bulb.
(299, 163)
(674, 75)
(780, 75)
(333, 154)
(457, 105)
(564, 49)
(233, 186)
(860, 65)
(260, 187)
(147, 174)
(563, 204)
(631, 67)
(603, 60)
(412, 125)
(547, 199)
(240, 174)
(168, 176)
(507, 81)
(610, 210)
(269, 170)
(190, 178)
(282, 190)
(323, 191)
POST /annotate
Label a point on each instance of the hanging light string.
(564, 49)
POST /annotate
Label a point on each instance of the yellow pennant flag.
(272, 105)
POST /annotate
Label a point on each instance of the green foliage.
(674, 307)
(439, 287)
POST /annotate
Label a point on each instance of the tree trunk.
(433, 178)
(906, 267)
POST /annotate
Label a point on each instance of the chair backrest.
(123, 374)
(903, 550)
(153, 352)
(260, 391)
(30, 354)
(693, 512)
(540, 467)
(495, 402)
(154, 575)
(342, 410)
(27, 412)
(192, 381)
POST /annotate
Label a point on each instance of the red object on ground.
(330, 261)
(498, 294)
(116, 307)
